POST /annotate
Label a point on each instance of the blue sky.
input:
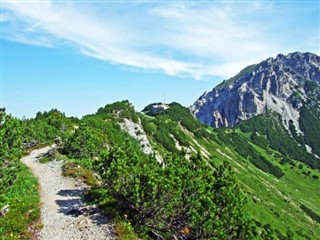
(80, 55)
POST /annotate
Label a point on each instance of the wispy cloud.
(182, 38)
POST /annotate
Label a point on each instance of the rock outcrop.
(136, 131)
(280, 84)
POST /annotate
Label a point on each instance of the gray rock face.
(276, 84)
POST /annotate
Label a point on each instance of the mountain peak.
(276, 83)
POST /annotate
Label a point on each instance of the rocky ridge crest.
(278, 84)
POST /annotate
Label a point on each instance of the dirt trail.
(63, 214)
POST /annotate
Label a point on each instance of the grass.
(24, 204)
(44, 160)
(280, 199)
(275, 201)
(61, 157)
(72, 169)
(58, 156)
(124, 230)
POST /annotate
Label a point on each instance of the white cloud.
(185, 39)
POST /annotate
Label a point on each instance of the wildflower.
(185, 230)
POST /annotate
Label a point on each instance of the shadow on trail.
(71, 192)
(71, 204)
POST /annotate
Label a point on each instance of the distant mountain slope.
(283, 84)
(287, 85)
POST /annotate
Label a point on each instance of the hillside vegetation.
(246, 182)
(277, 175)
(19, 198)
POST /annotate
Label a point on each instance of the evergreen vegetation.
(311, 213)
(18, 187)
(191, 195)
(310, 125)
(242, 146)
(10, 150)
(273, 134)
(47, 126)
(119, 111)
(183, 198)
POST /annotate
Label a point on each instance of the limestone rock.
(277, 84)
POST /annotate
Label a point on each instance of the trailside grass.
(23, 201)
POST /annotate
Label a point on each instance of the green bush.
(274, 135)
(311, 213)
(119, 111)
(184, 199)
(310, 125)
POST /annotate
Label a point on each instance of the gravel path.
(63, 214)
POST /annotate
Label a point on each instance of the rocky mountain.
(283, 84)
